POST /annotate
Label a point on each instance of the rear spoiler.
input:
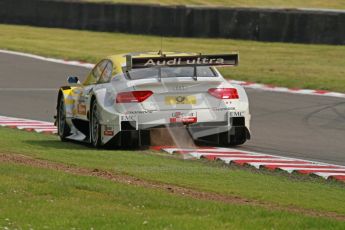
(182, 61)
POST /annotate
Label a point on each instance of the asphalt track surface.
(300, 126)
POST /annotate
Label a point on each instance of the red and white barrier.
(28, 125)
(227, 155)
(260, 160)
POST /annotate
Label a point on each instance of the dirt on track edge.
(170, 188)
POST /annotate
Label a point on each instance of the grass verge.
(282, 64)
(33, 198)
(286, 191)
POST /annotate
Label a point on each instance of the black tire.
(95, 127)
(63, 128)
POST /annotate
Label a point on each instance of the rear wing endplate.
(182, 61)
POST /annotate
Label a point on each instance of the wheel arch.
(99, 97)
(62, 93)
(93, 98)
(65, 130)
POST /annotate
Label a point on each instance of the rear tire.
(95, 127)
(63, 129)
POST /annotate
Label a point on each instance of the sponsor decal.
(182, 114)
(185, 118)
(173, 100)
(81, 109)
(178, 61)
(128, 117)
(180, 88)
(236, 114)
(108, 130)
(175, 61)
(108, 133)
(180, 99)
(138, 112)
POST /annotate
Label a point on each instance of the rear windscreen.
(171, 72)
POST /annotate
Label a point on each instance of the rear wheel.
(95, 127)
(63, 129)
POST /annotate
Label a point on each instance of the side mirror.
(72, 80)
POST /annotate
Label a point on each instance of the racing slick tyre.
(63, 128)
(95, 127)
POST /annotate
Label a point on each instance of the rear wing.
(182, 61)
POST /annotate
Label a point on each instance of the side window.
(98, 70)
(107, 72)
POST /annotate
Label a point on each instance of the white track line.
(27, 89)
(54, 60)
(265, 87)
(251, 85)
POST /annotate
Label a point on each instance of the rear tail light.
(133, 96)
(224, 93)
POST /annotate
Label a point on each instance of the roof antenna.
(160, 52)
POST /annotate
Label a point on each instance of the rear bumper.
(212, 132)
(218, 136)
(197, 129)
(208, 123)
(202, 118)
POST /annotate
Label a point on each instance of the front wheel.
(63, 129)
(95, 127)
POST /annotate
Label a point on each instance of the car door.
(82, 94)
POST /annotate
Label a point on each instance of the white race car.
(127, 96)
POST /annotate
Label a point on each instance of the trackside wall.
(277, 25)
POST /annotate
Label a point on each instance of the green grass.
(34, 198)
(275, 188)
(282, 64)
(336, 4)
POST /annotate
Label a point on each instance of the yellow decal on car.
(180, 100)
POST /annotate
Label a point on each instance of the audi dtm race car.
(125, 97)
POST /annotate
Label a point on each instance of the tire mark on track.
(333, 107)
